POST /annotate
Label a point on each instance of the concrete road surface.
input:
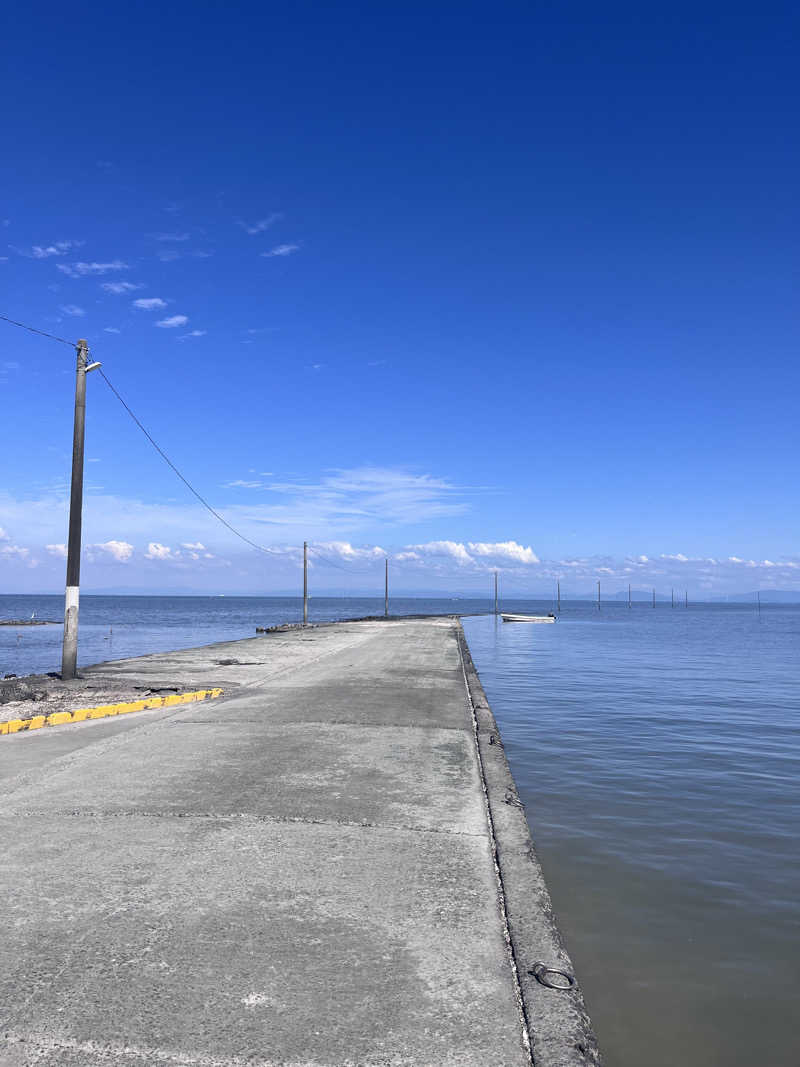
(301, 872)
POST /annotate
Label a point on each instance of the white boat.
(527, 618)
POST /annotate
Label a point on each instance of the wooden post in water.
(305, 583)
(673, 597)
(654, 598)
(686, 599)
(386, 590)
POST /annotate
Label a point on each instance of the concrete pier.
(328, 866)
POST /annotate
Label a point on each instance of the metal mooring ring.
(551, 977)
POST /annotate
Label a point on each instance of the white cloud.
(59, 551)
(149, 303)
(14, 551)
(281, 250)
(173, 321)
(170, 236)
(111, 329)
(119, 287)
(72, 309)
(3, 535)
(196, 550)
(159, 551)
(80, 270)
(504, 550)
(194, 333)
(121, 551)
(678, 557)
(261, 225)
(345, 551)
(450, 549)
(348, 499)
(57, 248)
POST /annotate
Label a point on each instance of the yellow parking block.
(59, 717)
(62, 718)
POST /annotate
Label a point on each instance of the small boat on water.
(528, 618)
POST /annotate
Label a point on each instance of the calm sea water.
(658, 756)
(115, 627)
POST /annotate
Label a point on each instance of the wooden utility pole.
(69, 655)
(558, 594)
(305, 583)
(386, 590)
(495, 592)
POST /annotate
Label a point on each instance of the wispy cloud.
(111, 329)
(281, 250)
(350, 499)
(57, 248)
(193, 333)
(72, 309)
(149, 303)
(81, 270)
(120, 287)
(196, 550)
(173, 321)
(169, 236)
(260, 226)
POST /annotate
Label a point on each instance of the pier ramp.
(326, 866)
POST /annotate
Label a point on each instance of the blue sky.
(471, 285)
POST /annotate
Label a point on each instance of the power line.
(259, 548)
(153, 442)
(186, 482)
(338, 566)
(32, 329)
